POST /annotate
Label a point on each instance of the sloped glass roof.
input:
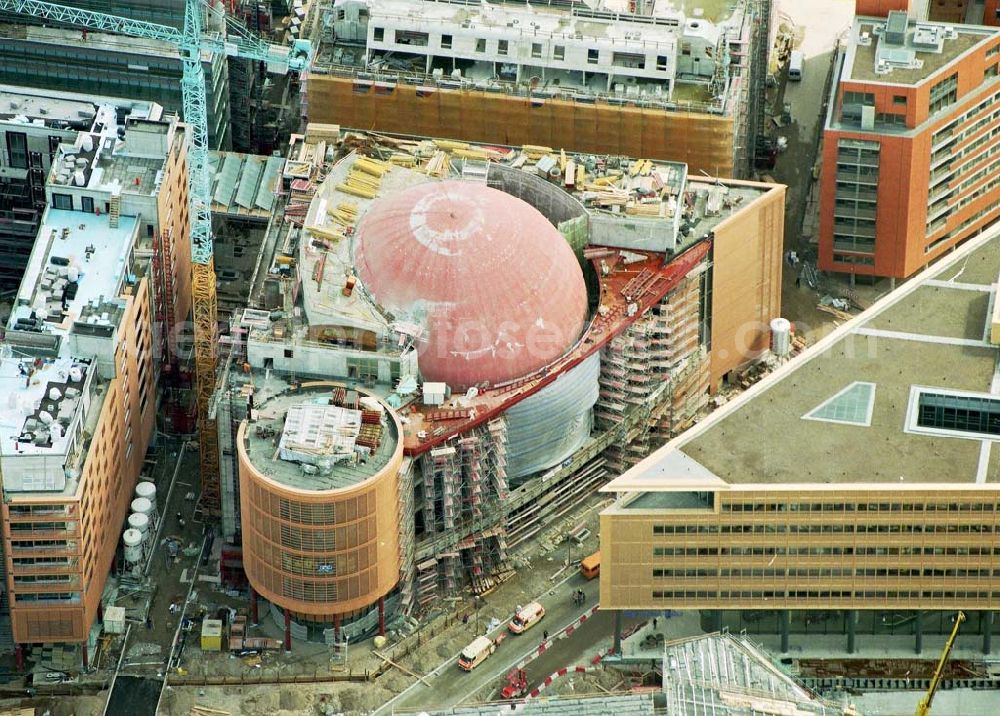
(852, 406)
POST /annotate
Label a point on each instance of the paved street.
(449, 685)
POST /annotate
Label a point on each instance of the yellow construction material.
(211, 635)
(581, 175)
(449, 145)
(325, 233)
(354, 190)
(403, 160)
(533, 150)
(607, 180)
(370, 166)
(562, 160)
(472, 154)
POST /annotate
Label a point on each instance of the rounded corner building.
(459, 308)
(319, 467)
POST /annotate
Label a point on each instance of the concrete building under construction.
(641, 79)
(522, 321)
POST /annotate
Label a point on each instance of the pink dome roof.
(495, 286)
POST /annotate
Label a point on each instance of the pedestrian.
(798, 281)
(654, 623)
(545, 635)
(149, 622)
(179, 517)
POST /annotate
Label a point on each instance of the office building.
(853, 491)
(909, 162)
(32, 126)
(79, 367)
(513, 328)
(638, 79)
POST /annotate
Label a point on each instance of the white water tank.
(138, 522)
(147, 490)
(79, 178)
(76, 374)
(87, 144)
(142, 506)
(781, 337)
(133, 545)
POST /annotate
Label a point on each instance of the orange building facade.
(909, 153)
(80, 388)
(321, 548)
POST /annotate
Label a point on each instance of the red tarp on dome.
(495, 285)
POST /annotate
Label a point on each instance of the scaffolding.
(662, 347)
(464, 489)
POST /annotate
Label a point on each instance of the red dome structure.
(497, 289)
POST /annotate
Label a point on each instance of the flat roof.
(303, 440)
(67, 241)
(841, 413)
(928, 48)
(67, 110)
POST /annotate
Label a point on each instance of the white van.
(526, 618)
(795, 66)
(476, 653)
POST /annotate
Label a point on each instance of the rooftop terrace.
(849, 411)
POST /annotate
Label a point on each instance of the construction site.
(388, 276)
(673, 81)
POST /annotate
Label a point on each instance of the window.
(288, 353)
(62, 201)
(502, 46)
(536, 48)
(686, 49)
(87, 204)
(36, 159)
(417, 39)
(991, 71)
(960, 414)
(899, 100)
(593, 56)
(559, 52)
(446, 42)
(661, 63)
(149, 231)
(379, 34)
(944, 93)
(17, 150)
(852, 104)
(54, 143)
(480, 45)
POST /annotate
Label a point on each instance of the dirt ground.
(441, 638)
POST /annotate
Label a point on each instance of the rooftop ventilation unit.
(895, 28)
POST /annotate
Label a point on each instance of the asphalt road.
(450, 686)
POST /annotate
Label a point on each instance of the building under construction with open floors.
(635, 78)
(78, 372)
(853, 491)
(483, 296)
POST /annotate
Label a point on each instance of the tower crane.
(924, 707)
(191, 42)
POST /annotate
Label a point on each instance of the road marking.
(416, 686)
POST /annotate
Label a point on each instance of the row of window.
(413, 38)
(861, 507)
(823, 594)
(823, 551)
(817, 572)
(824, 529)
